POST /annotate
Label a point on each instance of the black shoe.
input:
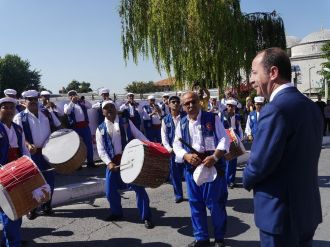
(114, 217)
(32, 214)
(179, 200)
(200, 243)
(91, 165)
(148, 224)
(47, 209)
(231, 185)
(219, 243)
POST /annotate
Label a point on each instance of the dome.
(323, 34)
(291, 41)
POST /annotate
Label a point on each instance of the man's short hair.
(279, 58)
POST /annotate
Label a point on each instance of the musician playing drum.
(111, 138)
(152, 120)
(12, 146)
(37, 125)
(205, 134)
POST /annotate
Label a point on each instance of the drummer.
(111, 138)
(231, 119)
(152, 120)
(169, 123)
(76, 112)
(37, 125)
(205, 133)
(105, 94)
(12, 147)
(13, 94)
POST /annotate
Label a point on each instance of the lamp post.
(326, 93)
(310, 83)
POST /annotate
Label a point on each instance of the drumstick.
(201, 156)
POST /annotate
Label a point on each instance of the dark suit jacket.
(283, 165)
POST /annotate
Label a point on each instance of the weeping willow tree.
(210, 41)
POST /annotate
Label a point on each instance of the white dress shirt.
(131, 108)
(165, 140)
(277, 90)
(114, 131)
(13, 141)
(78, 112)
(39, 126)
(197, 140)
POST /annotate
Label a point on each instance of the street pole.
(310, 83)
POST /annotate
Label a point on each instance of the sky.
(81, 40)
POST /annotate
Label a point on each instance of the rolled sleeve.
(177, 146)
(68, 107)
(222, 135)
(164, 138)
(100, 148)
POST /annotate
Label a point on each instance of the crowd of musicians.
(191, 117)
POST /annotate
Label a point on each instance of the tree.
(15, 73)
(80, 87)
(208, 41)
(140, 87)
(326, 65)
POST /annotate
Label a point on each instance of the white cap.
(10, 92)
(179, 92)
(104, 90)
(231, 102)
(72, 92)
(259, 99)
(166, 95)
(8, 99)
(213, 97)
(31, 94)
(44, 93)
(151, 97)
(23, 94)
(203, 174)
(106, 102)
(128, 94)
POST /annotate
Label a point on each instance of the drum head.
(132, 161)
(6, 204)
(61, 146)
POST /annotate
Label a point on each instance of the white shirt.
(39, 126)
(78, 112)
(155, 117)
(165, 140)
(128, 106)
(114, 131)
(248, 130)
(277, 90)
(13, 141)
(197, 140)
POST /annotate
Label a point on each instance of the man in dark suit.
(283, 165)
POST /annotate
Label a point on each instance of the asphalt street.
(81, 224)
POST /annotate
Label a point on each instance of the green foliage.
(140, 87)
(207, 41)
(80, 87)
(326, 54)
(15, 73)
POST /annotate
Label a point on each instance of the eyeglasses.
(193, 102)
(175, 102)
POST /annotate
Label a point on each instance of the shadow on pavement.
(244, 205)
(321, 243)
(32, 233)
(241, 243)
(324, 181)
(115, 242)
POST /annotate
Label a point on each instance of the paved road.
(81, 224)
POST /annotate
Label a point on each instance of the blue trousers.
(11, 230)
(86, 135)
(176, 175)
(153, 135)
(43, 165)
(114, 183)
(231, 171)
(212, 195)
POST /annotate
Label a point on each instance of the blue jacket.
(4, 142)
(283, 165)
(226, 124)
